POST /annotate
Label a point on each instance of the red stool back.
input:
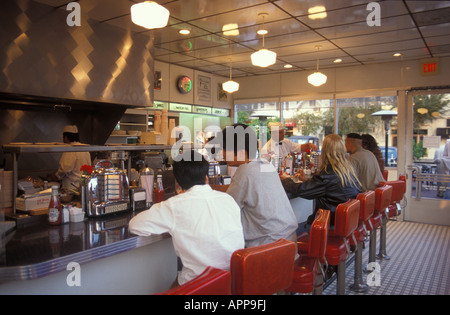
(398, 189)
(367, 200)
(319, 235)
(385, 174)
(383, 196)
(367, 208)
(346, 218)
(212, 281)
(264, 269)
(346, 221)
(306, 266)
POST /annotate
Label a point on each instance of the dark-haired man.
(364, 162)
(266, 212)
(205, 224)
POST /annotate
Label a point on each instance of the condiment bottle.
(55, 211)
(159, 190)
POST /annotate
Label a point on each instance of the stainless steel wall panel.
(96, 61)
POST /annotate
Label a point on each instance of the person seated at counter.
(280, 146)
(205, 224)
(369, 143)
(266, 212)
(335, 181)
(364, 162)
(69, 172)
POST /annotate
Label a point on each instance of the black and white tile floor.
(419, 264)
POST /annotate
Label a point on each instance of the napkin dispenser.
(107, 192)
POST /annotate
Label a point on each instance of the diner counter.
(104, 249)
(35, 259)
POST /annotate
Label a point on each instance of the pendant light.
(263, 57)
(230, 86)
(149, 14)
(317, 78)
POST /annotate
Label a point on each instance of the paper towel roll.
(157, 122)
(165, 124)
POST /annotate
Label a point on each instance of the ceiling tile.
(344, 33)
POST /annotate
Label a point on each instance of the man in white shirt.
(70, 163)
(280, 146)
(205, 224)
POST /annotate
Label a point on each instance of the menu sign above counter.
(202, 110)
(221, 112)
(176, 107)
(186, 108)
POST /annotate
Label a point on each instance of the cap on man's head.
(71, 129)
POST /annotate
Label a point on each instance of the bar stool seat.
(382, 200)
(367, 208)
(264, 269)
(337, 251)
(211, 281)
(398, 191)
(308, 267)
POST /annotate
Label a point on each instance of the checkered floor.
(419, 264)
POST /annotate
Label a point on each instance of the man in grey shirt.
(266, 212)
(365, 163)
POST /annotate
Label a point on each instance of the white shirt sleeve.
(158, 219)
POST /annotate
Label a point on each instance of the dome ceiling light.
(230, 86)
(149, 14)
(263, 57)
(317, 78)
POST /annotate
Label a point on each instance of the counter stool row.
(270, 268)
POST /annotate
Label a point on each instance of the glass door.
(427, 131)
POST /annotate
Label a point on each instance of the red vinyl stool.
(382, 200)
(345, 223)
(211, 281)
(398, 191)
(264, 269)
(385, 174)
(308, 267)
(367, 207)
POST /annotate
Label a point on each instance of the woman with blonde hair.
(335, 181)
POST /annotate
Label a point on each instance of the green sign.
(202, 110)
(221, 112)
(180, 107)
(160, 105)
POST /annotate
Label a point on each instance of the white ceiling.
(416, 29)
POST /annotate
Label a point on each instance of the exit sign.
(429, 66)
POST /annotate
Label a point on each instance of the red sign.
(429, 66)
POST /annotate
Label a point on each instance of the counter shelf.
(17, 149)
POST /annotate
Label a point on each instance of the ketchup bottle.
(55, 208)
(159, 190)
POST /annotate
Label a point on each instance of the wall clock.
(184, 84)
